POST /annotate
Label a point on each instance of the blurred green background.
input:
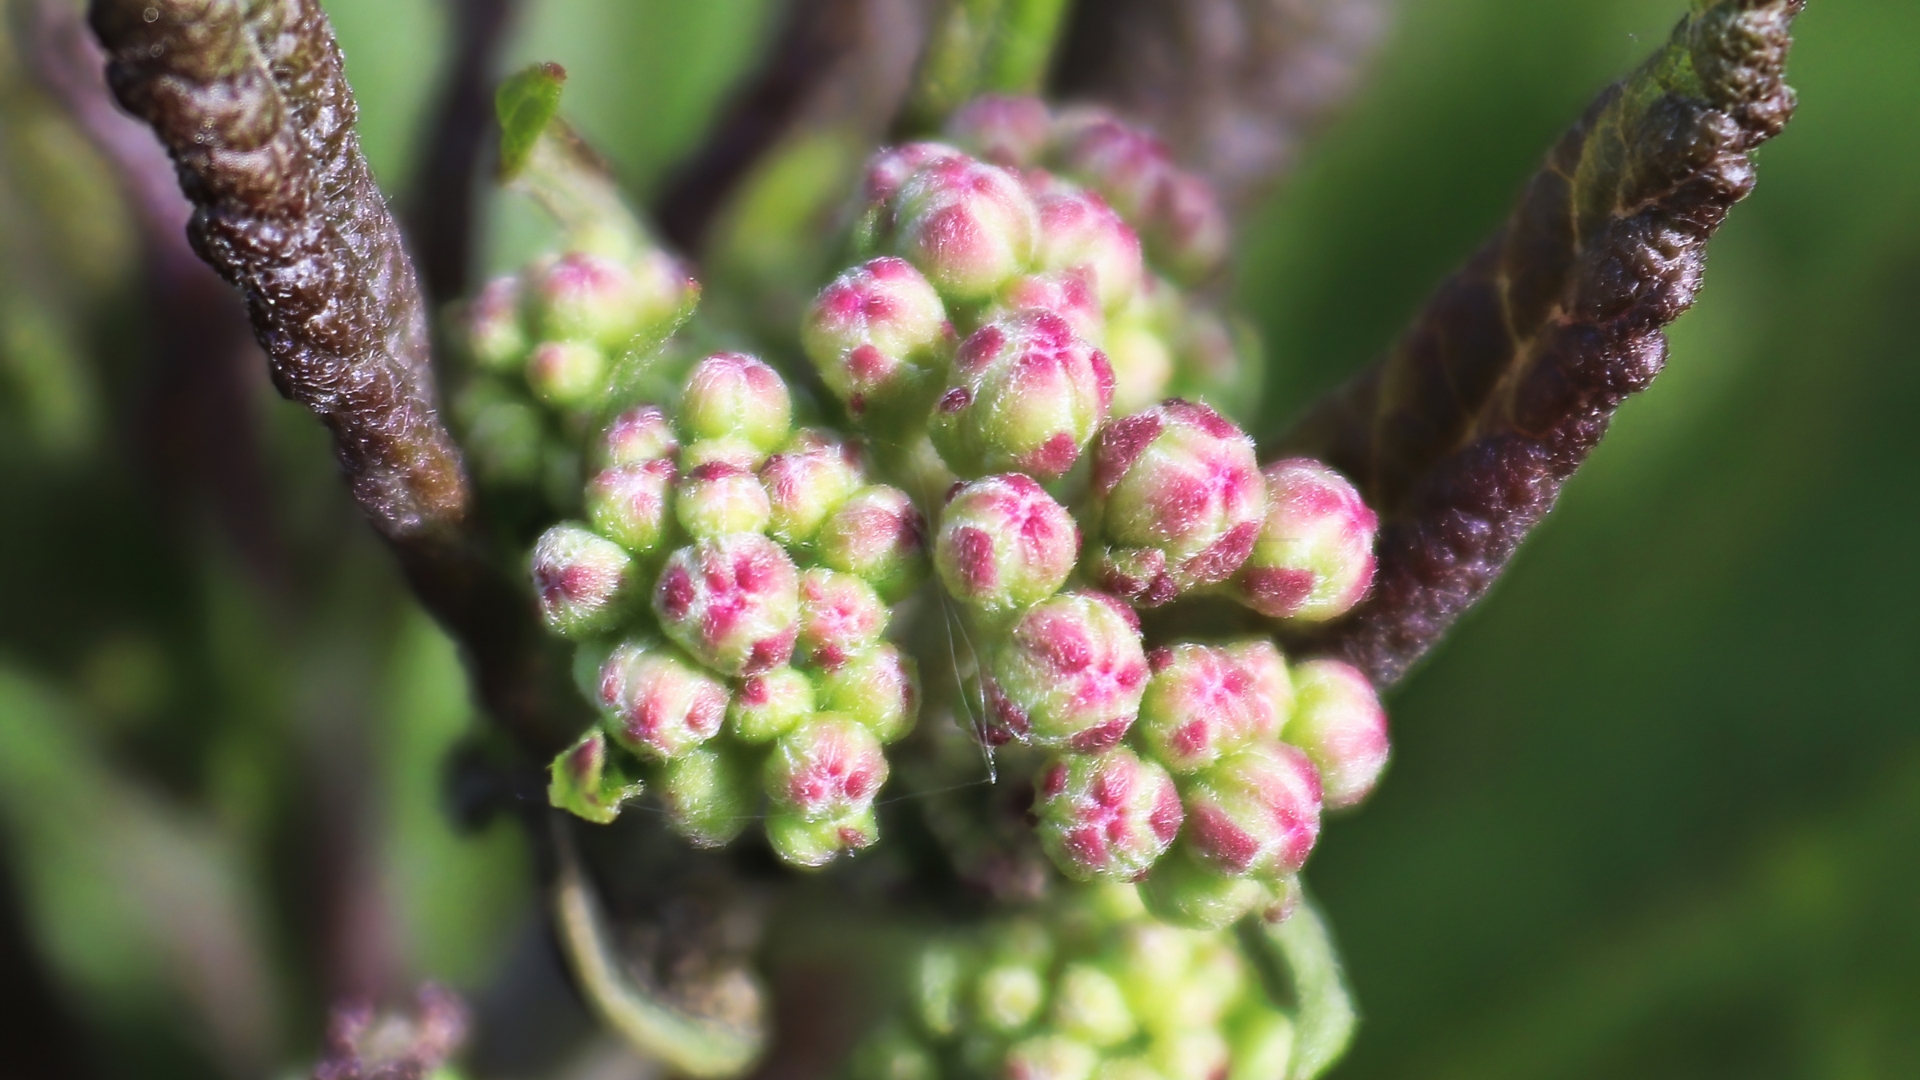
(1655, 809)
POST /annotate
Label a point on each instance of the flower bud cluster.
(730, 592)
(1092, 988)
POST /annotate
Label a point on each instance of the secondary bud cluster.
(1089, 988)
(731, 593)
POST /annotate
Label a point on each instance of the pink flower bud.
(879, 687)
(1026, 395)
(1004, 544)
(496, 336)
(826, 769)
(1121, 162)
(1314, 558)
(591, 298)
(732, 601)
(1256, 812)
(731, 451)
(806, 483)
(628, 503)
(877, 535)
(1003, 129)
(840, 615)
(636, 436)
(1205, 701)
(880, 338)
(581, 579)
(719, 498)
(1079, 231)
(568, 374)
(733, 395)
(888, 170)
(1182, 480)
(1338, 721)
(1070, 674)
(585, 783)
(967, 225)
(1066, 293)
(1106, 817)
(658, 703)
(1186, 230)
(769, 705)
(800, 842)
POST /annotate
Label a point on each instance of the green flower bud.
(1007, 997)
(800, 842)
(1089, 1005)
(1338, 721)
(1026, 396)
(1206, 701)
(1313, 560)
(720, 498)
(1004, 545)
(733, 395)
(582, 580)
(1069, 676)
(1079, 231)
(826, 769)
(583, 782)
(840, 617)
(628, 504)
(1106, 817)
(968, 226)
(938, 984)
(657, 703)
(879, 687)
(503, 433)
(1194, 1054)
(1185, 892)
(770, 704)
(1262, 1045)
(585, 297)
(732, 451)
(806, 483)
(637, 436)
(495, 335)
(880, 338)
(877, 535)
(732, 601)
(709, 794)
(1050, 1057)
(1140, 352)
(568, 374)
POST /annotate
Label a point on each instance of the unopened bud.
(1007, 997)
(1090, 1006)
(1004, 544)
(568, 374)
(1070, 675)
(658, 703)
(1066, 293)
(732, 601)
(826, 769)
(1140, 348)
(581, 579)
(879, 687)
(840, 615)
(1256, 812)
(496, 335)
(583, 782)
(801, 842)
(1204, 702)
(1186, 230)
(709, 795)
(733, 395)
(768, 705)
(806, 483)
(1050, 1057)
(1313, 560)
(1079, 231)
(1199, 1053)
(877, 535)
(733, 452)
(1216, 362)
(1002, 128)
(880, 338)
(502, 431)
(938, 981)
(585, 297)
(888, 171)
(1338, 721)
(636, 436)
(719, 498)
(1107, 816)
(628, 504)
(1121, 162)
(1026, 395)
(1182, 480)
(967, 225)
(1185, 892)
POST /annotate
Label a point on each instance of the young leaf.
(1462, 437)
(525, 103)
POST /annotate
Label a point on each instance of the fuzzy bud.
(826, 769)
(1256, 812)
(496, 337)
(637, 436)
(709, 795)
(1141, 357)
(1106, 817)
(628, 504)
(658, 704)
(1313, 560)
(806, 483)
(1079, 231)
(1126, 165)
(1066, 293)
(967, 225)
(879, 687)
(1338, 721)
(585, 297)
(731, 451)
(840, 615)
(733, 395)
(1206, 701)
(1070, 674)
(583, 782)
(877, 535)
(732, 601)
(1186, 892)
(719, 498)
(888, 171)
(769, 705)
(581, 580)
(1007, 997)
(568, 374)
(1003, 128)
(880, 338)
(1181, 480)
(1090, 1006)
(801, 842)
(1026, 396)
(1186, 230)
(1004, 544)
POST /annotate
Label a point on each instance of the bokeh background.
(1655, 808)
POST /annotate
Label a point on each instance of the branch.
(1233, 86)
(1462, 437)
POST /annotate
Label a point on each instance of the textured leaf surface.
(526, 103)
(1462, 437)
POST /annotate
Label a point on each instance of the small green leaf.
(526, 103)
(1324, 1017)
(588, 780)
